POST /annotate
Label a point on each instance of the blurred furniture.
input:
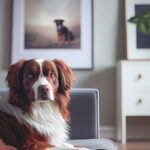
(85, 124)
(133, 93)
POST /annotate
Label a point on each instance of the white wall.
(107, 42)
(106, 33)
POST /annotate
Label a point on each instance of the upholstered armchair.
(85, 120)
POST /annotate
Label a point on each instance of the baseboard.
(108, 132)
(141, 132)
(133, 133)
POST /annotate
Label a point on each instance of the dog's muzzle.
(44, 92)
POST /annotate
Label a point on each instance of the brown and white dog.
(35, 115)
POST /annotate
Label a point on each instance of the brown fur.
(3, 146)
(20, 136)
(16, 95)
(65, 78)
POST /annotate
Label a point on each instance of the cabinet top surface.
(133, 61)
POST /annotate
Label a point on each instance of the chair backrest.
(84, 113)
(84, 110)
(3, 94)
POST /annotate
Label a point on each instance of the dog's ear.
(65, 75)
(12, 77)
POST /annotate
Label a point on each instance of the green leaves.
(142, 21)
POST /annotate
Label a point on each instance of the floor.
(144, 145)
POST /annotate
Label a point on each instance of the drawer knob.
(139, 101)
(139, 76)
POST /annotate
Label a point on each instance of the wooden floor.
(135, 146)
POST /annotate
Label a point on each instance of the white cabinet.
(133, 93)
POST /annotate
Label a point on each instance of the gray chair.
(84, 123)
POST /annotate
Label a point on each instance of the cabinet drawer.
(137, 103)
(136, 74)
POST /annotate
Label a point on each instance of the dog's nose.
(44, 92)
(44, 89)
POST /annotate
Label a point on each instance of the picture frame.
(137, 43)
(28, 40)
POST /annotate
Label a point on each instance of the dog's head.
(59, 23)
(39, 81)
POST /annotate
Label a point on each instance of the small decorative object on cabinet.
(133, 93)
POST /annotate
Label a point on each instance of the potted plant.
(142, 22)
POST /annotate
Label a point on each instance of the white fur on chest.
(45, 118)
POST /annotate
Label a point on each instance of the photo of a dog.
(52, 29)
(63, 33)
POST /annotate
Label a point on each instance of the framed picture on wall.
(52, 29)
(137, 18)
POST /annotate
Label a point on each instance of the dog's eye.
(30, 76)
(52, 75)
